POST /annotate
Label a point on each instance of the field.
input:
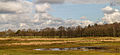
(26, 45)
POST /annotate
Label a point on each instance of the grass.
(111, 44)
(27, 52)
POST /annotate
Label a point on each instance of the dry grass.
(56, 40)
(21, 39)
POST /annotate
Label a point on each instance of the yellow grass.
(63, 40)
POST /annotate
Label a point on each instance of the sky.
(38, 14)
(75, 11)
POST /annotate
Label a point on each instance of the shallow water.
(72, 48)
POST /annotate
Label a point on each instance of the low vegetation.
(25, 45)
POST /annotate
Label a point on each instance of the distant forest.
(106, 30)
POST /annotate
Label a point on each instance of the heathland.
(26, 45)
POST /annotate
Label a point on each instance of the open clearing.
(25, 46)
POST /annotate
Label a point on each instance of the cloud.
(23, 14)
(88, 1)
(12, 14)
(8, 0)
(50, 1)
(115, 2)
(73, 1)
(10, 7)
(42, 8)
(111, 15)
(21, 6)
(83, 17)
(86, 23)
(108, 10)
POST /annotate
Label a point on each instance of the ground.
(25, 45)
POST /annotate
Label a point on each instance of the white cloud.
(111, 15)
(13, 13)
(42, 7)
(8, 0)
(100, 23)
(21, 15)
(20, 6)
(73, 1)
(50, 1)
(108, 10)
(86, 23)
(10, 7)
(115, 2)
(88, 1)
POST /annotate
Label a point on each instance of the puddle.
(73, 48)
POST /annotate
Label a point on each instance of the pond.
(87, 48)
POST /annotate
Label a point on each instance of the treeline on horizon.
(106, 30)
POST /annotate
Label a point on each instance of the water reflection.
(73, 48)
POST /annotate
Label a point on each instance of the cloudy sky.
(37, 14)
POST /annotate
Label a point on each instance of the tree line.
(106, 30)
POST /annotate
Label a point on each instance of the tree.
(61, 31)
(18, 32)
(78, 31)
(9, 32)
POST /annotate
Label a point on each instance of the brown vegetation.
(46, 41)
